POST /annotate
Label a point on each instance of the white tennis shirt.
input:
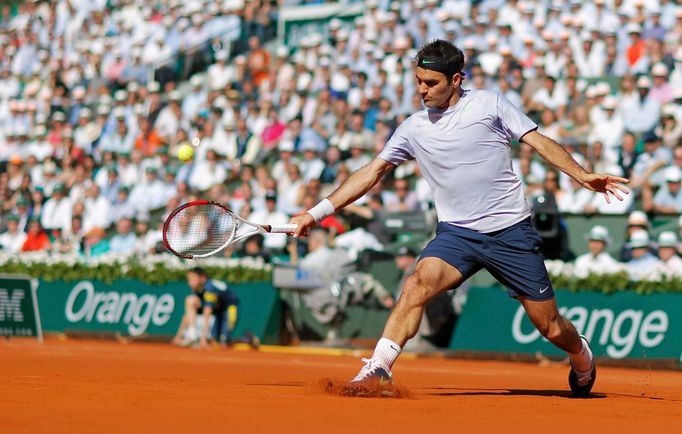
(464, 154)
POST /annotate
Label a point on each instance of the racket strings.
(200, 229)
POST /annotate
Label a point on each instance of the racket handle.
(282, 229)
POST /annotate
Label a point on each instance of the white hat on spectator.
(49, 167)
(119, 113)
(40, 131)
(638, 218)
(59, 117)
(609, 103)
(342, 35)
(103, 110)
(120, 95)
(633, 28)
(360, 21)
(644, 82)
(282, 51)
(79, 92)
(174, 95)
(639, 239)
(667, 239)
(335, 24)
(140, 110)
(442, 15)
(673, 174)
(669, 110)
(286, 145)
(602, 88)
(133, 87)
(659, 70)
(401, 43)
(196, 81)
(677, 92)
(599, 233)
(84, 113)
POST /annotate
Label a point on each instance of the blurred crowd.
(96, 97)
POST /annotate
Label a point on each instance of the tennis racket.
(203, 228)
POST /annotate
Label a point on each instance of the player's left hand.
(605, 184)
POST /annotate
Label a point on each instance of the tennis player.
(461, 142)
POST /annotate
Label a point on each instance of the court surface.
(68, 386)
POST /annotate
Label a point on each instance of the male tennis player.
(461, 142)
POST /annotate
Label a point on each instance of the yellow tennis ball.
(185, 153)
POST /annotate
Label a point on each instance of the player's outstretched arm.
(557, 156)
(359, 183)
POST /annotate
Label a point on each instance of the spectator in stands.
(643, 262)
(668, 198)
(97, 209)
(667, 253)
(150, 195)
(274, 243)
(401, 199)
(36, 238)
(95, 243)
(124, 240)
(597, 260)
(12, 240)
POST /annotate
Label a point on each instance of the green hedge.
(617, 282)
(157, 270)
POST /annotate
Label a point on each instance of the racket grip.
(282, 229)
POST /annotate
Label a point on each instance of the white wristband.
(322, 210)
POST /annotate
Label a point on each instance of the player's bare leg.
(562, 333)
(431, 277)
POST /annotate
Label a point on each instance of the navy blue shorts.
(511, 255)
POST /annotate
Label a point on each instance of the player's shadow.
(456, 391)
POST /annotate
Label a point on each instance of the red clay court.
(67, 386)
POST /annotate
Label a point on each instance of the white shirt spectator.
(272, 241)
(96, 213)
(12, 242)
(603, 263)
(56, 214)
(206, 174)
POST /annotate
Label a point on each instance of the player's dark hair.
(445, 57)
(198, 271)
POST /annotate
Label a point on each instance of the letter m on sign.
(19, 314)
(10, 305)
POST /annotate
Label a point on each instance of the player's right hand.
(304, 223)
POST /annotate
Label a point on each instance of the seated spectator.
(667, 253)
(97, 209)
(636, 220)
(648, 164)
(253, 248)
(597, 260)
(643, 262)
(274, 243)
(149, 195)
(402, 199)
(122, 207)
(36, 237)
(57, 211)
(208, 173)
(95, 243)
(12, 240)
(668, 198)
(124, 241)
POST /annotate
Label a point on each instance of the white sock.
(387, 352)
(582, 360)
